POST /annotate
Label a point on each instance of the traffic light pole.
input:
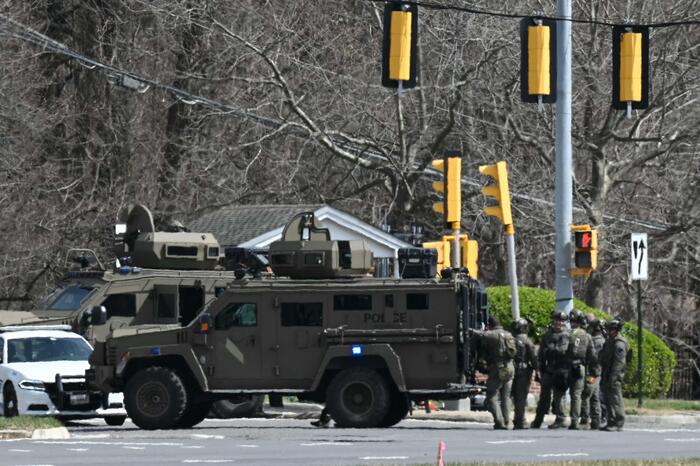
(563, 184)
(512, 275)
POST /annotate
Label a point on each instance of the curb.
(55, 433)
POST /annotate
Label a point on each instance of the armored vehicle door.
(234, 355)
(297, 352)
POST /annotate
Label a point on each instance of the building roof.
(234, 225)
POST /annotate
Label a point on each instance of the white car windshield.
(38, 349)
(67, 299)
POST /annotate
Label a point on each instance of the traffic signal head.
(538, 60)
(630, 67)
(399, 52)
(585, 250)
(450, 187)
(498, 191)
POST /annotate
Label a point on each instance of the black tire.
(358, 397)
(115, 420)
(193, 415)
(9, 397)
(239, 406)
(155, 398)
(397, 410)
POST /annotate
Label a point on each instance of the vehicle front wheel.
(10, 408)
(193, 415)
(397, 411)
(358, 397)
(115, 420)
(155, 398)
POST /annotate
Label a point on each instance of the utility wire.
(477, 11)
(27, 34)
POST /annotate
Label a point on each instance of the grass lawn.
(28, 422)
(650, 406)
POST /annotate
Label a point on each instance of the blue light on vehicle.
(124, 270)
(356, 350)
(155, 351)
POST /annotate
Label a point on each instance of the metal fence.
(686, 380)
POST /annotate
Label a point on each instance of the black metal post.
(639, 340)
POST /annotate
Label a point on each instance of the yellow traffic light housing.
(443, 253)
(399, 52)
(450, 187)
(630, 67)
(498, 191)
(469, 253)
(538, 60)
(585, 250)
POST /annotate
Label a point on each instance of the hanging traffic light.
(469, 253)
(450, 187)
(499, 191)
(585, 250)
(399, 47)
(538, 60)
(630, 67)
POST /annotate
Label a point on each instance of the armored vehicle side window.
(237, 315)
(120, 305)
(181, 251)
(166, 306)
(2, 350)
(417, 301)
(315, 258)
(213, 252)
(302, 314)
(70, 298)
(281, 259)
(352, 302)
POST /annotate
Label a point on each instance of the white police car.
(42, 373)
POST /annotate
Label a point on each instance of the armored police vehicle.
(161, 277)
(364, 346)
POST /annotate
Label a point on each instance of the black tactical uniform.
(580, 356)
(554, 371)
(613, 361)
(525, 363)
(500, 368)
(590, 400)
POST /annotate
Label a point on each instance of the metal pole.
(456, 262)
(639, 340)
(563, 284)
(510, 246)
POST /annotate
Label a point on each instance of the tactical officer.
(613, 361)
(525, 363)
(554, 371)
(590, 400)
(498, 347)
(582, 360)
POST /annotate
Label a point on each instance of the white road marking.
(383, 457)
(134, 448)
(556, 455)
(317, 444)
(203, 436)
(90, 436)
(78, 449)
(20, 451)
(89, 442)
(248, 446)
(694, 439)
(208, 461)
(501, 442)
(192, 446)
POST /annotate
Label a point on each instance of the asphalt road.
(295, 442)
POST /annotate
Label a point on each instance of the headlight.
(32, 385)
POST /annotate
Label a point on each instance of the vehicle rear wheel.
(358, 397)
(115, 420)
(155, 398)
(239, 406)
(10, 408)
(397, 410)
(193, 415)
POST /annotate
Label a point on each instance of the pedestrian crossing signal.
(586, 250)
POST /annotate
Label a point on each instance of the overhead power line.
(500, 14)
(133, 80)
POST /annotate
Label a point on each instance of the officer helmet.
(592, 321)
(615, 324)
(578, 317)
(520, 326)
(559, 315)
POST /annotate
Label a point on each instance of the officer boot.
(595, 425)
(573, 425)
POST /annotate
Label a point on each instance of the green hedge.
(538, 305)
